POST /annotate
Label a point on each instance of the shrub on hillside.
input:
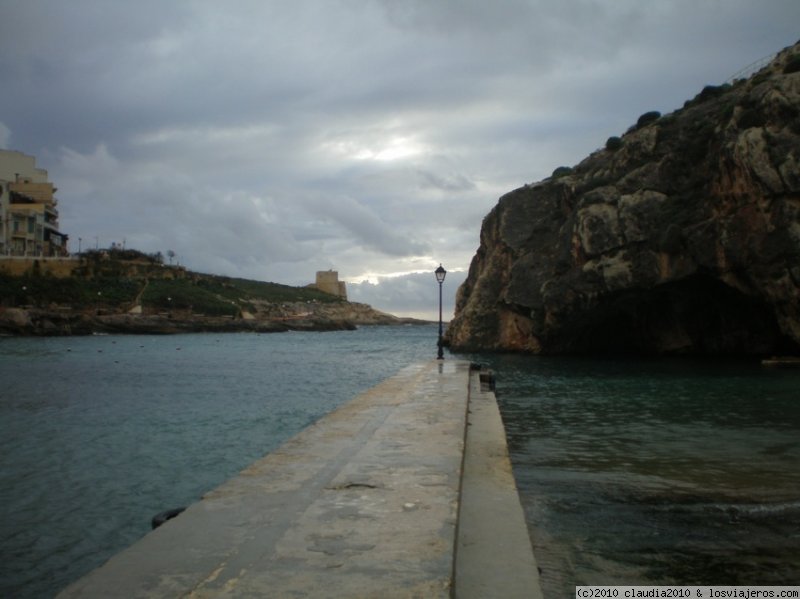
(185, 295)
(613, 143)
(647, 118)
(562, 171)
(45, 290)
(712, 91)
(792, 65)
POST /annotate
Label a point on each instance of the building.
(328, 281)
(28, 213)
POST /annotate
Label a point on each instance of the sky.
(270, 139)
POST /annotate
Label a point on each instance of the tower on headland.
(328, 281)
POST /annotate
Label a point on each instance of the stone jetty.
(405, 491)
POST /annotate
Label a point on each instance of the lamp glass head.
(440, 274)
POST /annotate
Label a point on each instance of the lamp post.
(440, 274)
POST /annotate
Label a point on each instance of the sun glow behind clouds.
(413, 293)
(375, 278)
(384, 150)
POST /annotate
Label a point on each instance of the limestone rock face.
(683, 239)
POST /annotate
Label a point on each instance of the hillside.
(130, 294)
(682, 236)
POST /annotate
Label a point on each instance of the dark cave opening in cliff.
(699, 315)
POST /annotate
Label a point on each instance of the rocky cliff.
(682, 236)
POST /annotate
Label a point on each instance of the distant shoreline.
(35, 322)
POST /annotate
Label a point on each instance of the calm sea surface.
(648, 472)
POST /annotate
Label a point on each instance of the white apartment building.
(28, 213)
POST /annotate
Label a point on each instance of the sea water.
(99, 434)
(630, 472)
(655, 472)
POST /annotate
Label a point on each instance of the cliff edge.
(680, 237)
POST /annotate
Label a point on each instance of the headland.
(125, 291)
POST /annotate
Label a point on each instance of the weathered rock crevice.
(683, 238)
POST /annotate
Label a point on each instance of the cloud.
(364, 226)
(415, 294)
(206, 225)
(369, 136)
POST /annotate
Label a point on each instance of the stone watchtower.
(328, 281)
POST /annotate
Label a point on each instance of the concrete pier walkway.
(405, 491)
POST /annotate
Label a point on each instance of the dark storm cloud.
(272, 139)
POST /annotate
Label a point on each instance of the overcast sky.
(271, 139)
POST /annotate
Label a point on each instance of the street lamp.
(440, 274)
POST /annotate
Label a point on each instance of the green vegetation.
(562, 171)
(792, 65)
(613, 143)
(647, 118)
(759, 78)
(45, 290)
(165, 294)
(272, 292)
(116, 254)
(202, 294)
(222, 296)
(711, 92)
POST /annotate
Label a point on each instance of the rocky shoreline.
(55, 321)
